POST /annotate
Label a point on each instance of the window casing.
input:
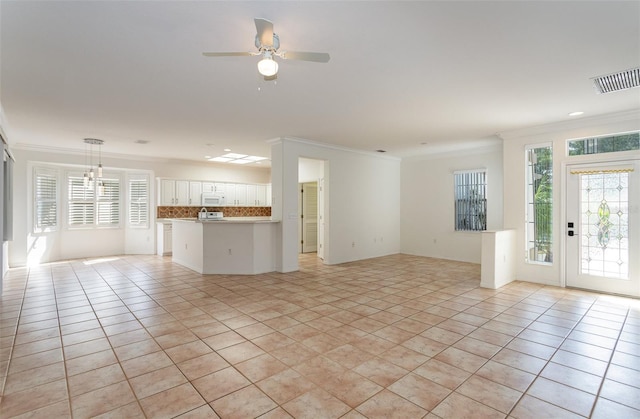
(91, 205)
(470, 190)
(45, 200)
(539, 212)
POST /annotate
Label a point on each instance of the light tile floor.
(396, 336)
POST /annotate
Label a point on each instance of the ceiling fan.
(267, 44)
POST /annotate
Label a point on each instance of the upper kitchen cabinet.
(179, 193)
(173, 192)
(209, 187)
(195, 193)
(257, 195)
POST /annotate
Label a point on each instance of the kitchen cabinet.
(257, 195)
(235, 194)
(164, 238)
(241, 195)
(195, 193)
(209, 187)
(173, 192)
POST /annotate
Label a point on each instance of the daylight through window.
(606, 144)
(471, 200)
(539, 229)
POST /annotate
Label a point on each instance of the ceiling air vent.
(617, 81)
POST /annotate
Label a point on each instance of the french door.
(603, 227)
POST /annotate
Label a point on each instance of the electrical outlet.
(353, 244)
(229, 252)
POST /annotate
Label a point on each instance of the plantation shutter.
(81, 209)
(46, 200)
(108, 203)
(139, 202)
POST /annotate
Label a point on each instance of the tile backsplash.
(192, 212)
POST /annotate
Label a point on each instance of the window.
(471, 200)
(46, 199)
(539, 229)
(108, 203)
(607, 144)
(86, 208)
(139, 201)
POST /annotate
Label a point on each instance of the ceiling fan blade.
(265, 31)
(227, 54)
(318, 57)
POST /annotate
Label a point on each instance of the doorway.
(603, 227)
(311, 206)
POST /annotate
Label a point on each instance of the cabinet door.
(252, 195)
(241, 194)
(182, 192)
(208, 187)
(195, 193)
(229, 193)
(167, 192)
(261, 195)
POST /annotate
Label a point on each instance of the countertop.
(225, 220)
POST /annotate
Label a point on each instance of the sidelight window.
(539, 222)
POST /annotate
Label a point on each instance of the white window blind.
(139, 201)
(471, 200)
(81, 211)
(46, 200)
(94, 204)
(108, 203)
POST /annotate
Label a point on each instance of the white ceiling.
(401, 73)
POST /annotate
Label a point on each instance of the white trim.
(332, 147)
(579, 123)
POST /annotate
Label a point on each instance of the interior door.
(321, 218)
(603, 227)
(309, 217)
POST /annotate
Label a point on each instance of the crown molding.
(282, 140)
(625, 116)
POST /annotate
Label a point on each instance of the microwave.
(212, 199)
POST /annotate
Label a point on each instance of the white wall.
(66, 244)
(362, 202)
(514, 185)
(310, 170)
(427, 210)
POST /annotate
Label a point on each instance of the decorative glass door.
(603, 227)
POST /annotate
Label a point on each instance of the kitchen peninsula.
(235, 245)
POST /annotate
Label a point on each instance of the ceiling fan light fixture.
(267, 67)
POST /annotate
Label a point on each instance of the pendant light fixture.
(93, 177)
